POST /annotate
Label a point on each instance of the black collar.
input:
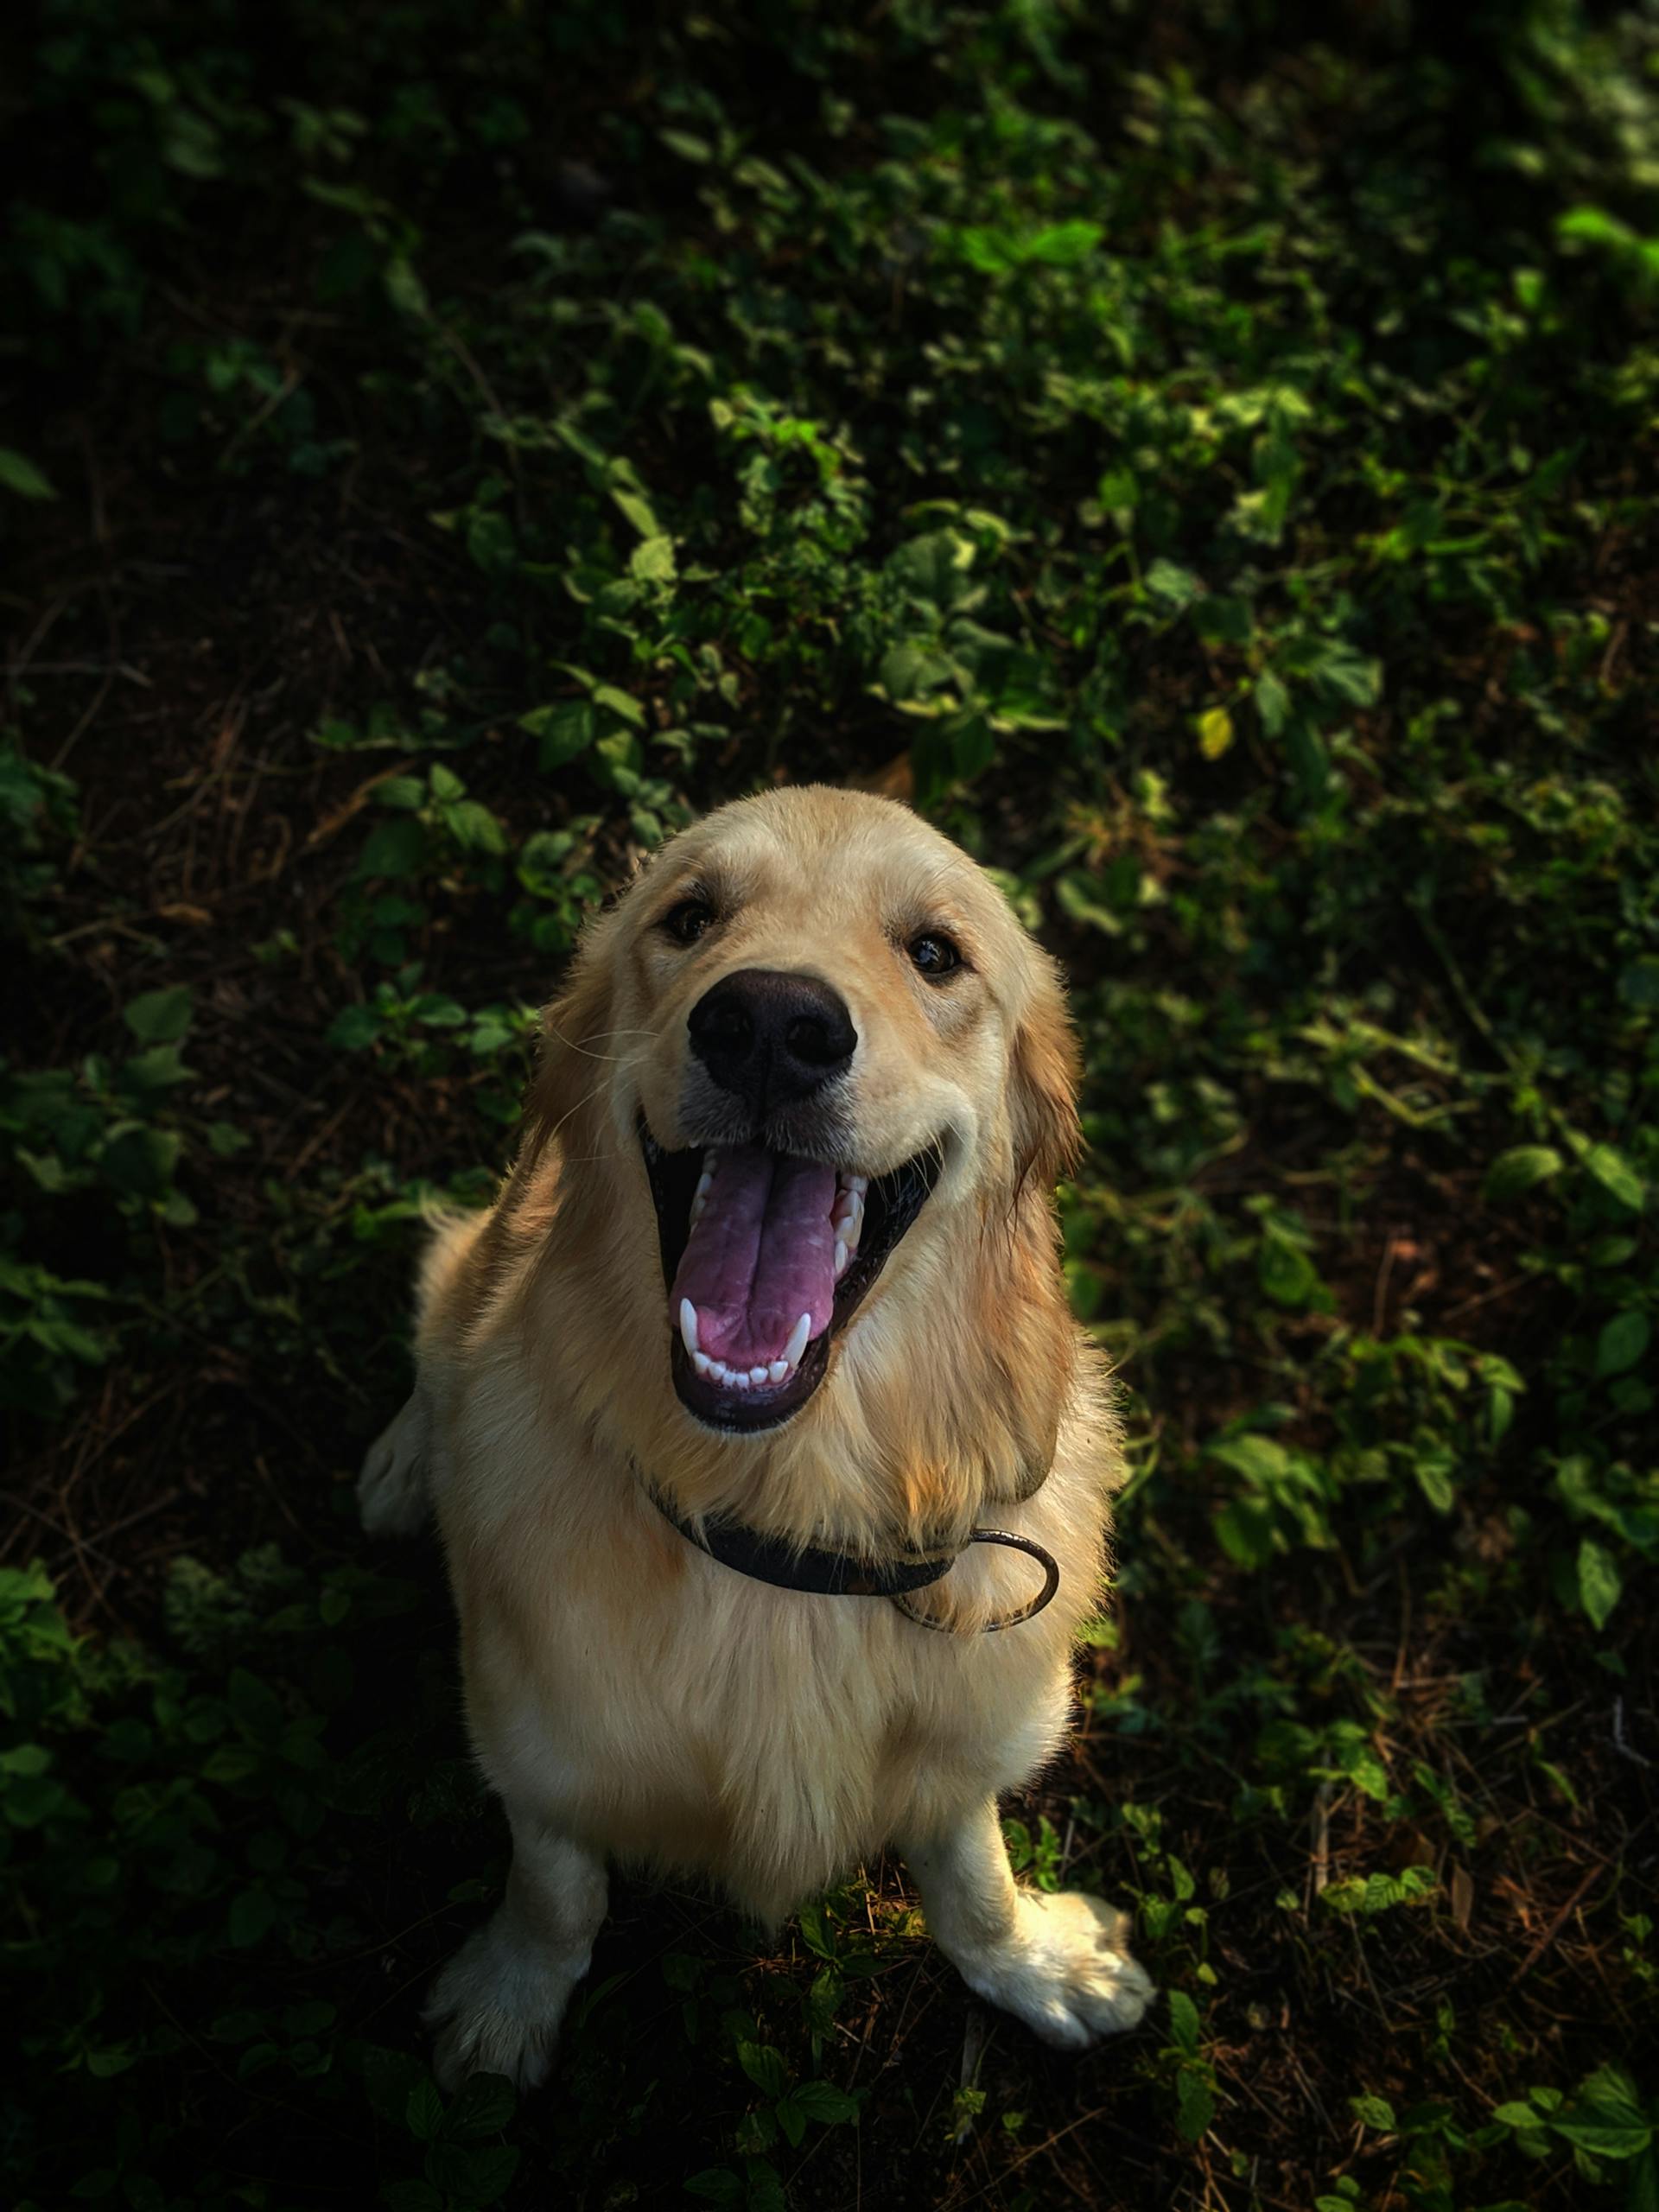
(817, 1572)
(820, 1574)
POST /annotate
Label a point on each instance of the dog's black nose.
(768, 1036)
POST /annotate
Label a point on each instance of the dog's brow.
(694, 887)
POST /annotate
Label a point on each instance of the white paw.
(1066, 1971)
(496, 2007)
(391, 1496)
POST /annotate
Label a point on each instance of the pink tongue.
(762, 1254)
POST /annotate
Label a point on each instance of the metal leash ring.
(1051, 1584)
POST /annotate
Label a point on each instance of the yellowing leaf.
(1215, 730)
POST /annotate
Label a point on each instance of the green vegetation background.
(1204, 453)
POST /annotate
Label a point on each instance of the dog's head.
(818, 1032)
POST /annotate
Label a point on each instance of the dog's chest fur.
(672, 1712)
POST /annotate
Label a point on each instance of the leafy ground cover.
(1205, 456)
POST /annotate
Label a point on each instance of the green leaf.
(716, 2185)
(1521, 1169)
(412, 2196)
(1246, 1532)
(21, 475)
(1285, 1271)
(160, 1017)
(1176, 586)
(1195, 2104)
(1223, 618)
(1621, 1344)
(404, 288)
(423, 2111)
(622, 703)
(472, 2177)
(1272, 704)
(823, 2101)
(1373, 2112)
(653, 561)
(141, 1160)
(765, 2067)
(483, 2105)
(394, 849)
(353, 1029)
(252, 1916)
(1603, 2136)
(474, 828)
(1183, 2027)
(1600, 1584)
(1062, 245)
(562, 732)
(638, 510)
(1608, 1166)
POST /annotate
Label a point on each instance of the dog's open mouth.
(766, 1256)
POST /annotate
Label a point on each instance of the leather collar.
(817, 1572)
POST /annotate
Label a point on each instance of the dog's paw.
(1066, 1971)
(392, 1493)
(496, 2008)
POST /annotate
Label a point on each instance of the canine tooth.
(758, 1374)
(688, 1323)
(777, 1370)
(798, 1337)
(841, 1259)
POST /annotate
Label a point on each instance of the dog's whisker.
(584, 1050)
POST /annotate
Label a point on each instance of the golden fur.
(628, 1697)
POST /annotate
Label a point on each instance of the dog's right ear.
(575, 1044)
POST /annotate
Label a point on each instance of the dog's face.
(826, 1034)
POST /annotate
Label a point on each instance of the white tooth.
(711, 1161)
(841, 1259)
(737, 1379)
(798, 1338)
(777, 1370)
(702, 1362)
(859, 1184)
(688, 1323)
(703, 1181)
(758, 1374)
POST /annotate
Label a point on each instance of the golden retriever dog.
(766, 1322)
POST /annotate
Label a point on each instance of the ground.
(1203, 458)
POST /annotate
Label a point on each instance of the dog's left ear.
(1047, 1069)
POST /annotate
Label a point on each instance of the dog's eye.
(686, 923)
(934, 954)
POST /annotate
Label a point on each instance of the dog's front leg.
(499, 2002)
(1059, 1962)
